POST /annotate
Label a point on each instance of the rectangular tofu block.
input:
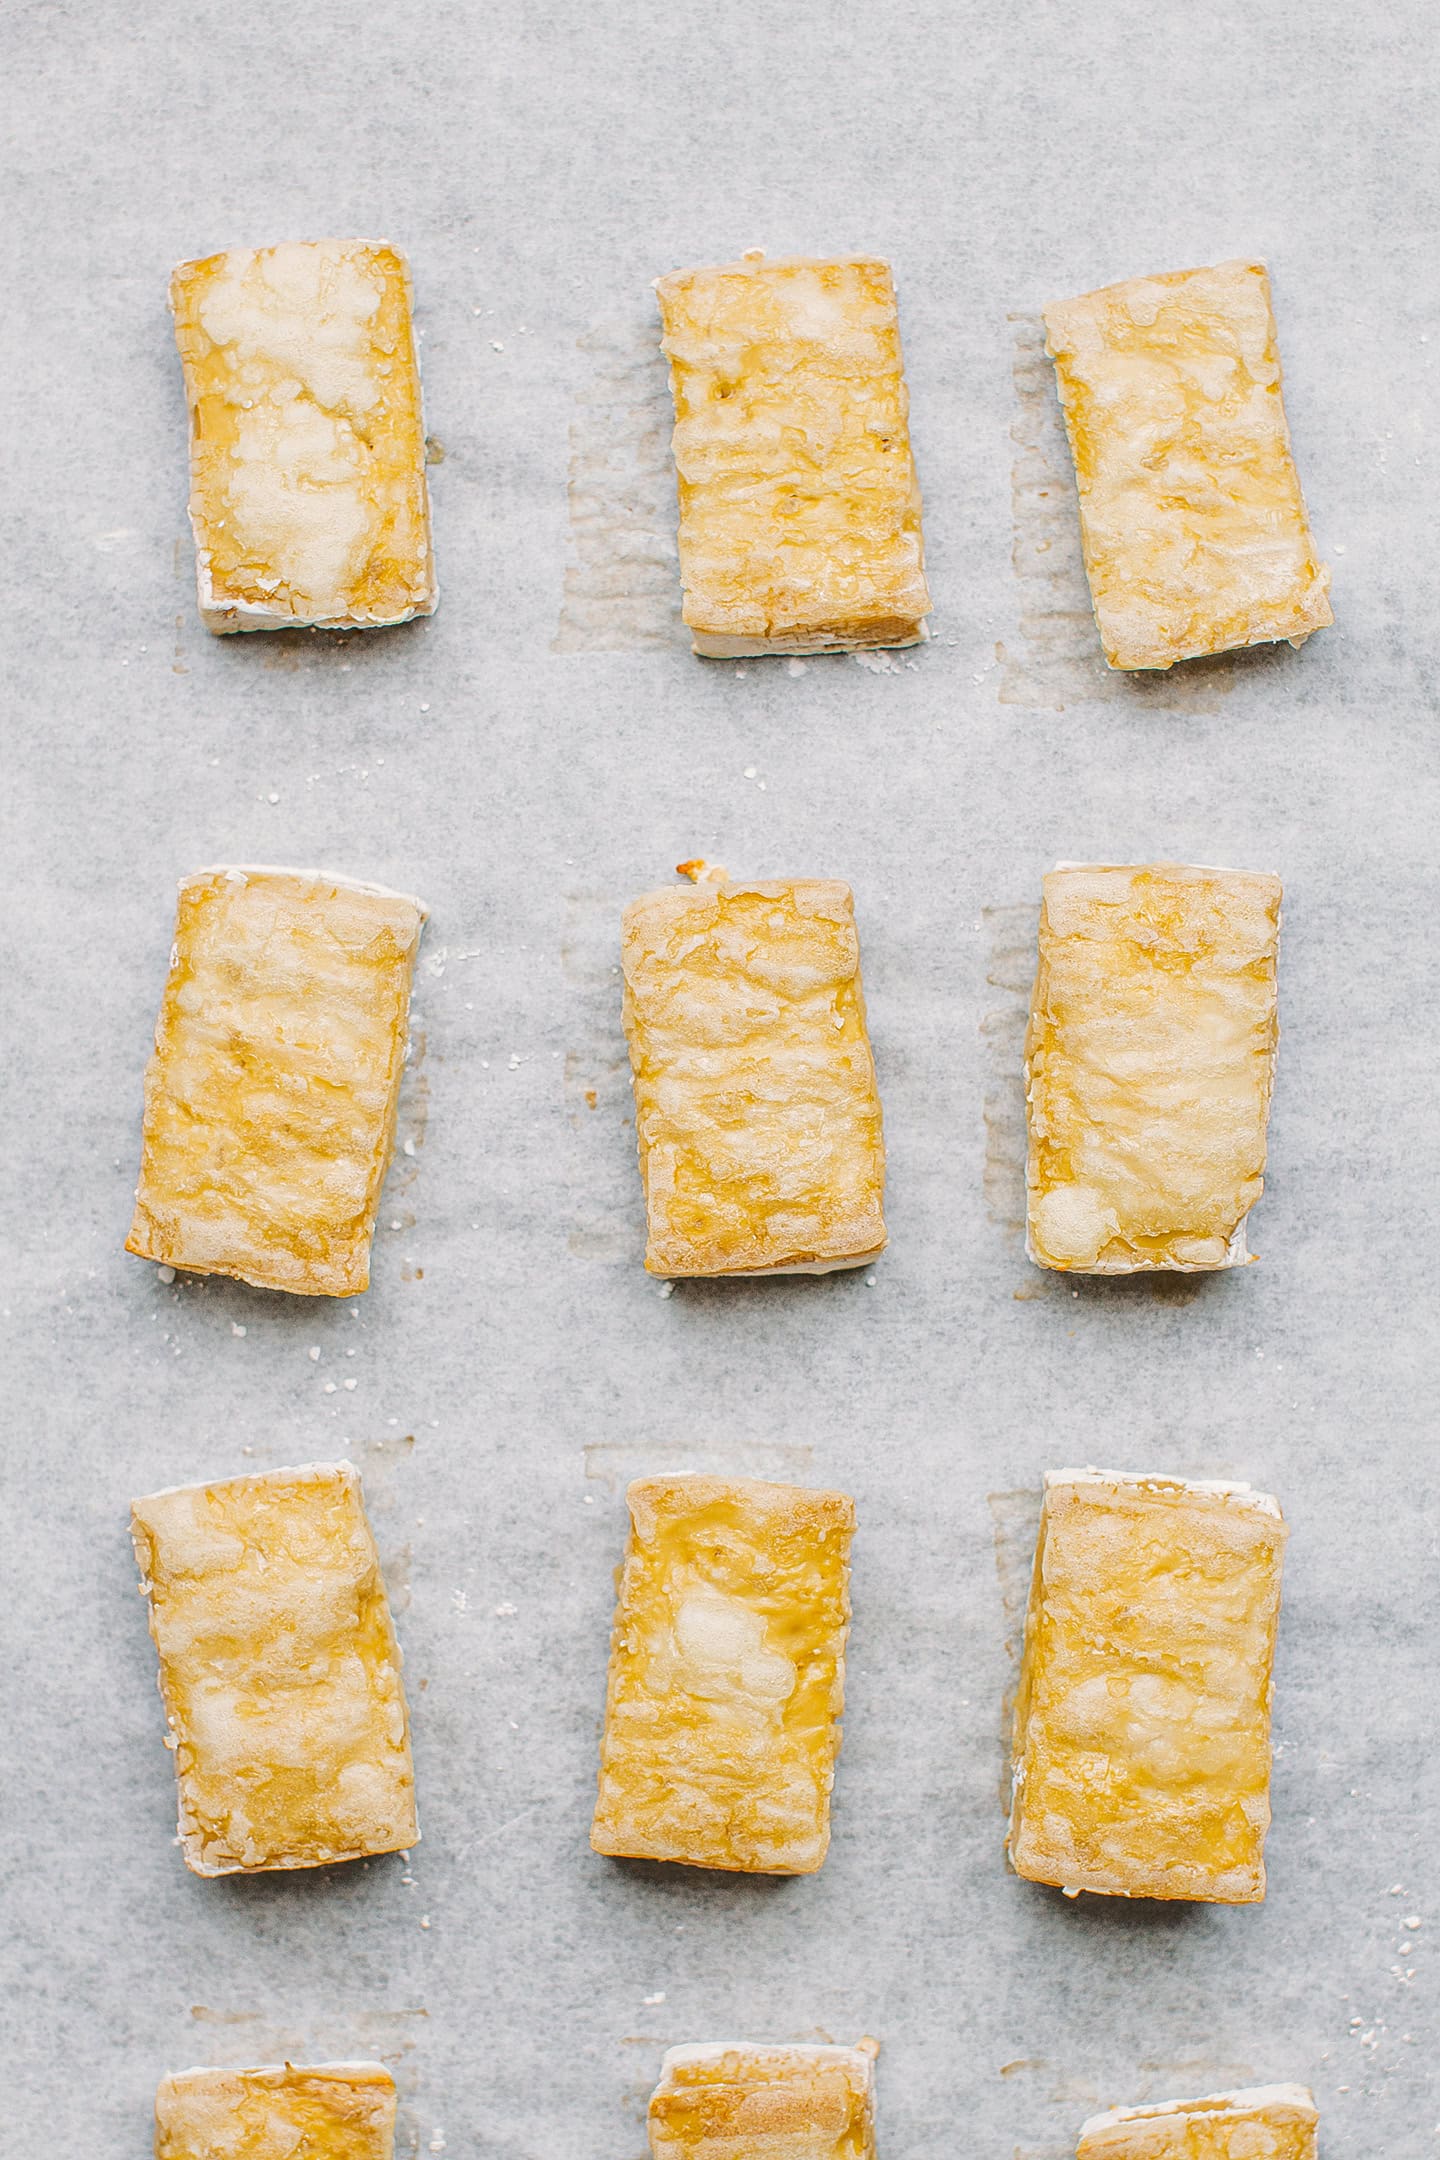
(727, 1675)
(333, 2111)
(756, 1109)
(1191, 517)
(729, 2100)
(270, 1096)
(1148, 1065)
(799, 507)
(1141, 1754)
(1266, 2122)
(307, 446)
(279, 1670)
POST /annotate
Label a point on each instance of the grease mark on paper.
(622, 583)
(1011, 970)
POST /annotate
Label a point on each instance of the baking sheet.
(540, 751)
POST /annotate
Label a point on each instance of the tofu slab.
(1266, 2122)
(333, 2111)
(756, 1109)
(308, 497)
(1149, 1062)
(799, 506)
(270, 1097)
(727, 1675)
(279, 1670)
(1141, 1753)
(732, 2100)
(1191, 518)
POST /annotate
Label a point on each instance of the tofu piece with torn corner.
(271, 1093)
(1192, 522)
(757, 1115)
(333, 2111)
(1141, 1751)
(1264, 2122)
(727, 1675)
(308, 496)
(279, 1670)
(729, 2100)
(1149, 1062)
(799, 506)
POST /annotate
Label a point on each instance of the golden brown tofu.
(270, 1097)
(1267, 2122)
(279, 1670)
(1148, 1065)
(756, 1110)
(307, 445)
(727, 1675)
(799, 507)
(333, 2111)
(1142, 1724)
(1191, 517)
(734, 2101)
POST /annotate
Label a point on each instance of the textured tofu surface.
(279, 1670)
(727, 1675)
(334, 2111)
(756, 1109)
(307, 445)
(1191, 517)
(270, 1096)
(799, 506)
(1148, 1065)
(1267, 2122)
(1142, 1723)
(741, 2102)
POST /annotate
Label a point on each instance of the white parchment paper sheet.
(540, 751)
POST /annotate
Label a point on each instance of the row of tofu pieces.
(271, 1095)
(1141, 1754)
(800, 525)
(1141, 1758)
(717, 2101)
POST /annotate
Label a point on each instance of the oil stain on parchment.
(1012, 932)
(1015, 1523)
(1056, 659)
(608, 1225)
(622, 583)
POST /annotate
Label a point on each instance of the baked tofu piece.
(333, 2111)
(756, 1110)
(1267, 2122)
(279, 1670)
(1148, 1065)
(727, 1675)
(1142, 1725)
(730, 2100)
(1191, 518)
(307, 445)
(270, 1097)
(799, 507)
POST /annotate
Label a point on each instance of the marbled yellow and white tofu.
(279, 1670)
(1141, 1746)
(727, 1675)
(1149, 1061)
(271, 1092)
(799, 506)
(1191, 518)
(757, 1115)
(308, 496)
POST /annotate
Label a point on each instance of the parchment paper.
(547, 747)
